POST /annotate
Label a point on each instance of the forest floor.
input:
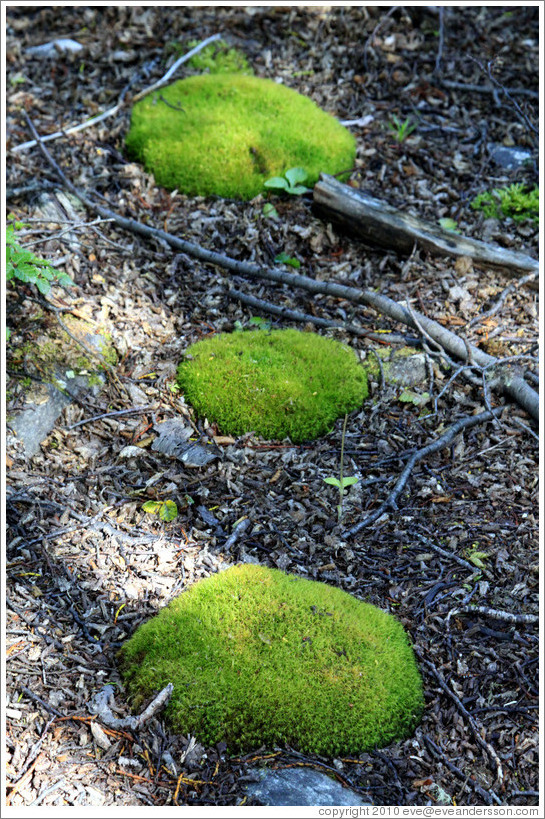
(85, 565)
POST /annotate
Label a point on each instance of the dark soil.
(85, 564)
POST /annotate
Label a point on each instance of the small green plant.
(401, 130)
(23, 265)
(167, 510)
(449, 224)
(476, 556)
(283, 258)
(516, 200)
(341, 482)
(290, 182)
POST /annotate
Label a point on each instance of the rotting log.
(377, 223)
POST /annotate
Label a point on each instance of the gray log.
(377, 223)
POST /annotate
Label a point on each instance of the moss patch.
(257, 656)
(54, 352)
(279, 384)
(226, 134)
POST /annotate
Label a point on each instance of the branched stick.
(100, 707)
(111, 111)
(435, 446)
(515, 386)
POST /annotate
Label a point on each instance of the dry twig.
(434, 446)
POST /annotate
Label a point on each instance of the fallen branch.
(435, 446)
(296, 315)
(513, 384)
(496, 614)
(378, 223)
(100, 707)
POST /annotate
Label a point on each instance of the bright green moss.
(233, 134)
(279, 384)
(257, 656)
(516, 200)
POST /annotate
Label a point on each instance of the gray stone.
(508, 158)
(300, 786)
(173, 440)
(33, 424)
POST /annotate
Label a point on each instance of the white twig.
(111, 111)
(100, 707)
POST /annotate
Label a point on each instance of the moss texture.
(233, 134)
(257, 656)
(284, 383)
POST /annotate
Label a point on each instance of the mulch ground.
(85, 565)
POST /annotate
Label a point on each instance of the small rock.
(300, 786)
(508, 158)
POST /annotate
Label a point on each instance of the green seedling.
(23, 265)
(516, 201)
(283, 258)
(411, 397)
(167, 510)
(401, 130)
(449, 224)
(341, 482)
(476, 556)
(260, 323)
(290, 183)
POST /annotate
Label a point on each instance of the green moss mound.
(257, 656)
(233, 134)
(279, 384)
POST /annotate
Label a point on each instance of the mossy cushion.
(226, 134)
(282, 383)
(257, 656)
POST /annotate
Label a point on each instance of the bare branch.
(435, 446)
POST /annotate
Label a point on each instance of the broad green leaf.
(269, 211)
(43, 285)
(295, 175)
(277, 182)
(298, 189)
(283, 258)
(332, 481)
(151, 506)
(169, 511)
(350, 481)
(477, 559)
